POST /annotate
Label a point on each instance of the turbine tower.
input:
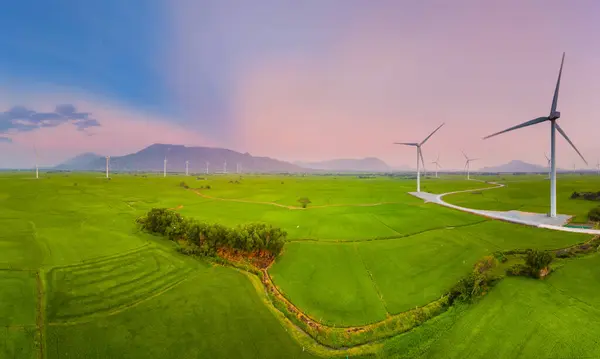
(165, 167)
(419, 154)
(598, 167)
(225, 167)
(207, 167)
(37, 172)
(187, 172)
(107, 163)
(552, 118)
(437, 165)
(468, 164)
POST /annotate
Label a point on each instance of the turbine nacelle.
(554, 116)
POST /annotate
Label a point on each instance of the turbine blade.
(406, 143)
(422, 160)
(555, 98)
(524, 124)
(464, 154)
(431, 134)
(547, 158)
(571, 143)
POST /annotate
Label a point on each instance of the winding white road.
(538, 220)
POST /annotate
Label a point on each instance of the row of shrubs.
(206, 239)
(590, 196)
(482, 278)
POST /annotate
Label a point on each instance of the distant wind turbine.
(468, 164)
(165, 163)
(37, 172)
(187, 172)
(225, 167)
(107, 163)
(437, 165)
(552, 117)
(419, 154)
(598, 167)
(207, 167)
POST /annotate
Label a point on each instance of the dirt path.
(292, 207)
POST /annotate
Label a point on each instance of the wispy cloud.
(22, 119)
(59, 132)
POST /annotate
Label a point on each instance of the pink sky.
(389, 73)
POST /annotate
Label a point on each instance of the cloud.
(81, 123)
(5, 139)
(22, 119)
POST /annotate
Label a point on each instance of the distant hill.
(151, 159)
(515, 166)
(80, 162)
(368, 164)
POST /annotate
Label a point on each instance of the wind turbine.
(37, 173)
(437, 165)
(419, 154)
(165, 163)
(207, 167)
(552, 117)
(225, 167)
(187, 172)
(107, 162)
(468, 164)
(598, 167)
(548, 158)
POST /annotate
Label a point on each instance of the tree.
(304, 201)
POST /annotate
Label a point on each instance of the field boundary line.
(390, 238)
(294, 207)
(375, 286)
(41, 313)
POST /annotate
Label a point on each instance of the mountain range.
(516, 166)
(368, 164)
(151, 159)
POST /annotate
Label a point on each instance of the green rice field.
(78, 279)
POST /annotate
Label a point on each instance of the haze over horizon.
(305, 81)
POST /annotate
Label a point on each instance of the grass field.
(520, 318)
(86, 283)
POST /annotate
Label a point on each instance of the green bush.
(536, 261)
(206, 239)
(518, 270)
(594, 214)
(304, 201)
(184, 185)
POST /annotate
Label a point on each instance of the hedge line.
(207, 239)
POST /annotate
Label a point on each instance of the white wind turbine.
(548, 158)
(225, 167)
(187, 172)
(468, 164)
(107, 163)
(437, 165)
(207, 167)
(165, 167)
(419, 154)
(37, 172)
(598, 167)
(552, 117)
